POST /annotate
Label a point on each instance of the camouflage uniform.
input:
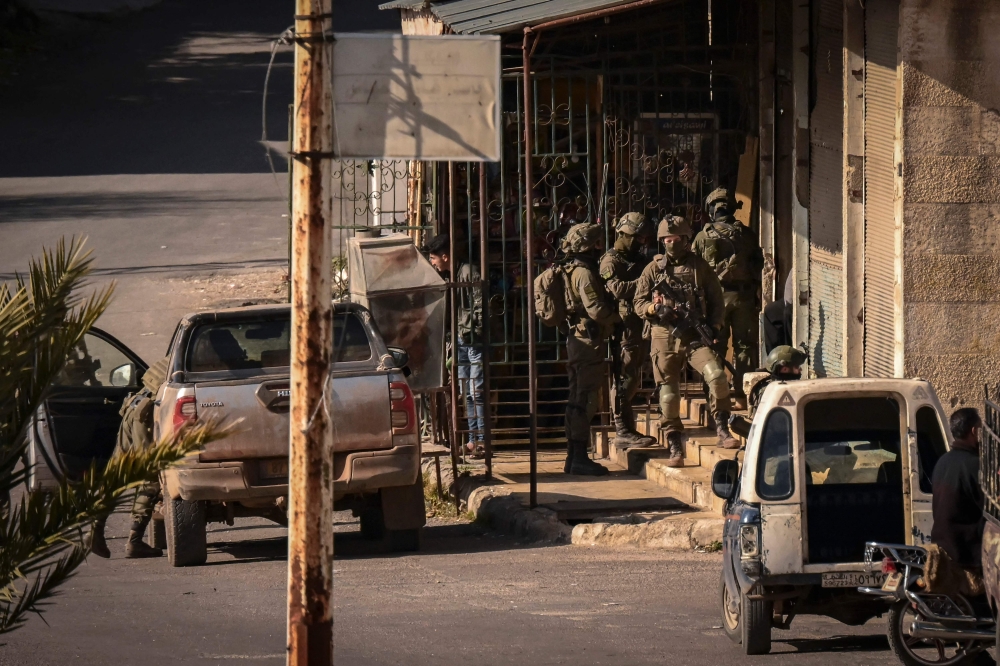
(669, 352)
(620, 269)
(591, 319)
(136, 431)
(732, 251)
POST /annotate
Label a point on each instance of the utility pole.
(310, 487)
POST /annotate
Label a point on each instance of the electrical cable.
(284, 39)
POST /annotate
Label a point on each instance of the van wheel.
(730, 613)
(185, 531)
(755, 621)
(924, 652)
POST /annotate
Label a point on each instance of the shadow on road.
(875, 643)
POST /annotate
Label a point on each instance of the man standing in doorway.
(671, 345)
(621, 267)
(468, 348)
(735, 255)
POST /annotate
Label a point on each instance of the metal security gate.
(881, 34)
(826, 154)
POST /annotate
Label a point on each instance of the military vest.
(684, 275)
(729, 251)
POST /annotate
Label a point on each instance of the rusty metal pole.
(453, 328)
(484, 275)
(310, 487)
(529, 244)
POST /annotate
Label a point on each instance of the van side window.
(931, 444)
(774, 466)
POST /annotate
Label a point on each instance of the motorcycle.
(927, 629)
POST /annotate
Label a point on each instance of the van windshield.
(258, 344)
(852, 440)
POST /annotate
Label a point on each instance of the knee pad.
(670, 400)
(715, 376)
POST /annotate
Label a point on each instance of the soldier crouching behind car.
(695, 279)
(591, 319)
(136, 431)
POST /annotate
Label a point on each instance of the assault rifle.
(685, 319)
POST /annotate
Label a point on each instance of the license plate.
(274, 469)
(892, 582)
(853, 579)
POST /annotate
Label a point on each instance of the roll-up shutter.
(881, 34)
(826, 258)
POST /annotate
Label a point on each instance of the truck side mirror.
(724, 478)
(400, 358)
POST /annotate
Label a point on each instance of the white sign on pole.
(416, 97)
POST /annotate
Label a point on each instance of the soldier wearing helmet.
(690, 275)
(620, 269)
(592, 317)
(735, 255)
(783, 364)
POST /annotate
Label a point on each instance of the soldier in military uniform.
(136, 432)
(735, 255)
(691, 276)
(621, 267)
(591, 319)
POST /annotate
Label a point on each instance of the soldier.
(591, 318)
(783, 364)
(621, 267)
(735, 255)
(695, 279)
(136, 431)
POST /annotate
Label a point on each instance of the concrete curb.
(494, 506)
(677, 533)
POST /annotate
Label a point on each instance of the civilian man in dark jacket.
(958, 497)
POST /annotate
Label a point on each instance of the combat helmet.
(634, 224)
(783, 356)
(673, 225)
(717, 196)
(582, 238)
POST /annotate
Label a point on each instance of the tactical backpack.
(554, 300)
(136, 431)
(729, 253)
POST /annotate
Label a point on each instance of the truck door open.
(780, 507)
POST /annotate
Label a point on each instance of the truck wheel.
(755, 621)
(159, 534)
(730, 613)
(924, 652)
(372, 523)
(185, 527)
(404, 541)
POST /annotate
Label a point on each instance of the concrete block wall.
(950, 133)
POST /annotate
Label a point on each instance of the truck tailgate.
(360, 410)
(262, 407)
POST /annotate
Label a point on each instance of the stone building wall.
(950, 178)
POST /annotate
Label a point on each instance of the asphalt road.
(470, 597)
(142, 132)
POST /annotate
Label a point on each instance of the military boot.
(98, 544)
(138, 548)
(726, 439)
(675, 446)
(581, 463)
(626, 437)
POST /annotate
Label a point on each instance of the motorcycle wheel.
(923, 651)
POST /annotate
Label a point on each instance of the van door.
(926, 443)
(79, 421)
(780, 507)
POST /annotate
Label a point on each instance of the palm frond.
(39, 531)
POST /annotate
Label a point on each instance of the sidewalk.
(642, 503)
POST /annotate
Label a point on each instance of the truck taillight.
(185, 409)
(403, 410)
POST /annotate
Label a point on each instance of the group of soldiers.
(684, 306)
